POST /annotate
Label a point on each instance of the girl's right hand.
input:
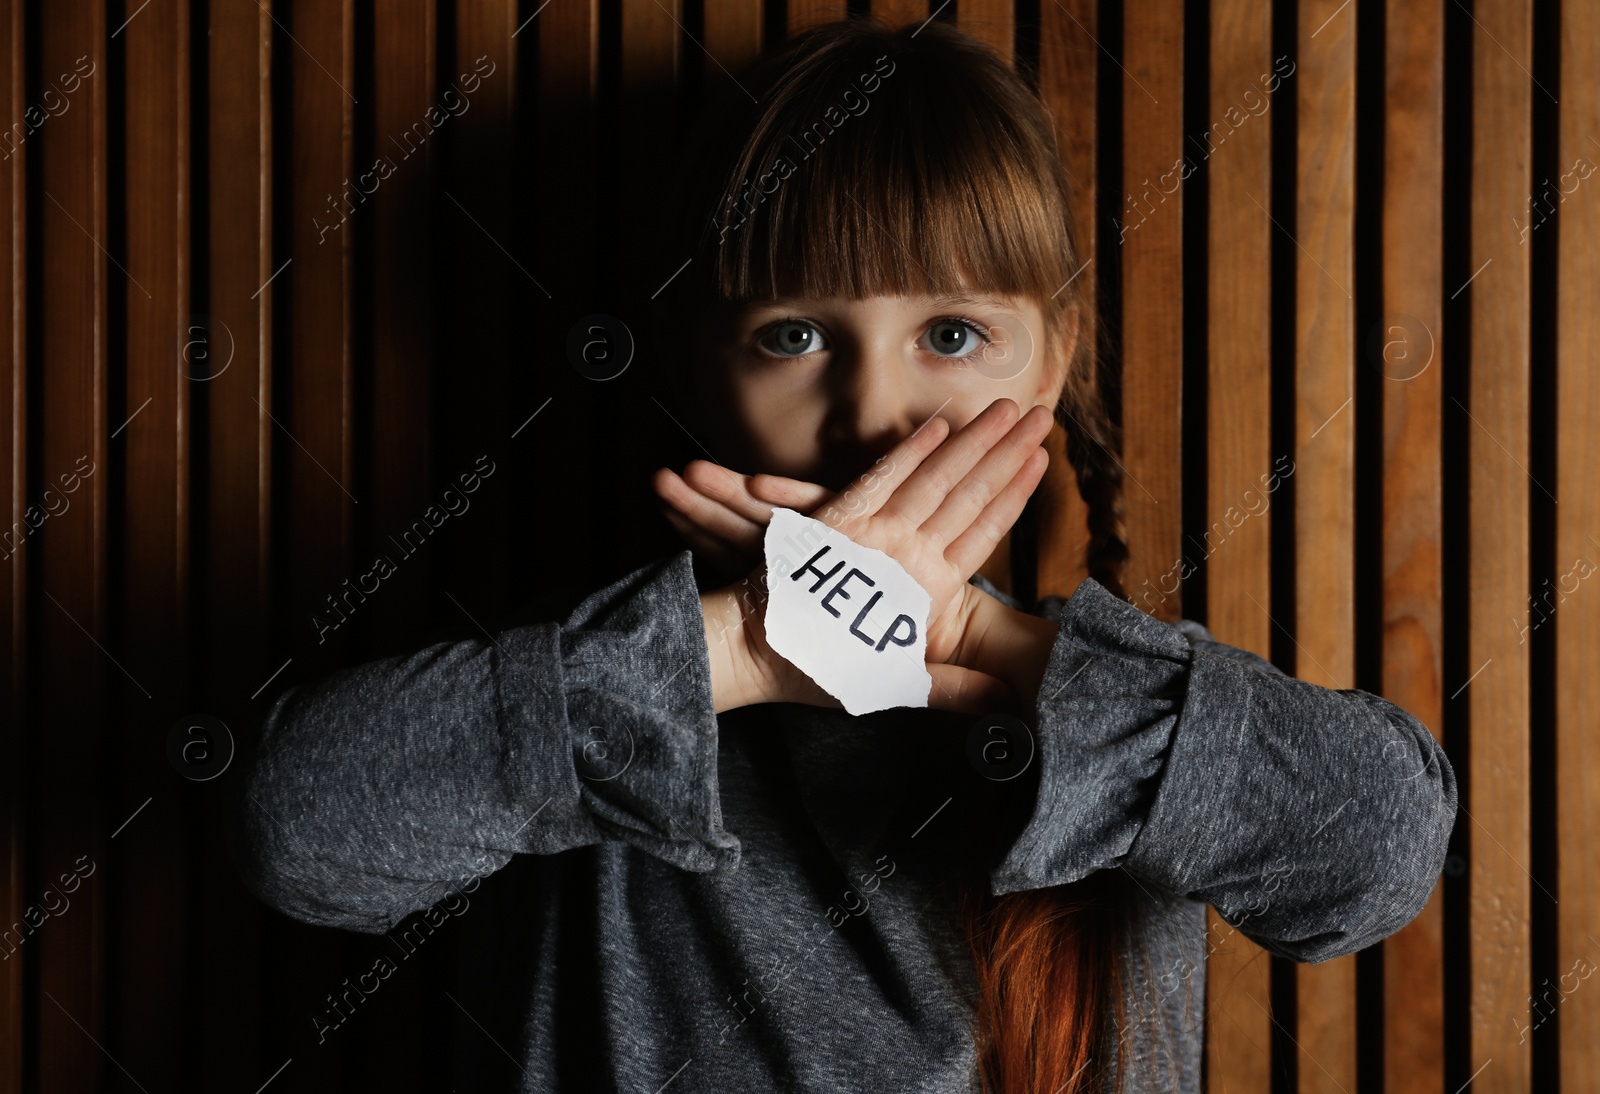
(938, 504)
(723, 515)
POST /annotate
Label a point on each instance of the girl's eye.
(959, 339)
(952, 337)
(791, 338)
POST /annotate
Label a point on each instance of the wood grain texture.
(1068, 89)
(992, 22)
(69, 549)
(332, 378)
(567, 212)
(1495, 808)
(150, 936)
(809, 13)
(900, 13)
(411, 113)
(235, 494)
(15, 667)
(1409, 362)
(1235, 548)
(1324, 456)
(1577, 558)
(1150, 233)
(489, 284)
(733, 34)
(652, 97)
(313, 428)
(327, 206)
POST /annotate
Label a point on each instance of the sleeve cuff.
(636, 701)
(1108, 706)
(1314, 820)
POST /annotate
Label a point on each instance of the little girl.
(689, 869)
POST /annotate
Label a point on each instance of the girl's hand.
(723, 515)
(939, 505)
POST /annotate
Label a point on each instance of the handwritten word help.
(848, 616)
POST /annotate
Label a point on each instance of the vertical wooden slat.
(899, 13)
(236, 402)
(315, 427)
(1408, 357)
(1151, 232)
(566, 214)
(648, 89)
(408, 114)
(242, 288)
(1496, 807)
(151, 930)
(650, 62)
(809, 13)
(87, 277)
(407, 146)
(733, 34)
(71, 549)
(650, 93)
(568, 79)
(1235, 152)
(497, 280)
(491, 279)
(1577, 619)
(991, 21)
(14, 666)
(1325, 455)
(1069, 90)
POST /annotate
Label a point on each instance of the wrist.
(745, 670)
(731, 614)
(1014, 646)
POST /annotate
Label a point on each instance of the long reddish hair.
(926, 145)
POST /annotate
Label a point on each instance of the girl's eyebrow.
(970, 300)
(974, 301)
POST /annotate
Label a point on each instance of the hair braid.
(1093, 440)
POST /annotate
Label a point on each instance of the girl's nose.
(876, 405)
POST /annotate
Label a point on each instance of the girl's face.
(818, 388)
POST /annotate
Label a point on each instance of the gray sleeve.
(379, 790)
(1314, 820)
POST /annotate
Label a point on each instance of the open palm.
(937, 503)
(942, 505)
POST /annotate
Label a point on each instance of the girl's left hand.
(723, 515)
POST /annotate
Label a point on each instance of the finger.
(973, 547)
(668, 494)
(710, 515)
(754, 496)
(876, 486)
(731, 489)
(794, 494)
(958, 688)
(726, 560)
(926, 488)
(996, 469)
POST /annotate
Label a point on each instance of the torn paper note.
(848, 616)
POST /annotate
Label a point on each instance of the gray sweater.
(657, 896)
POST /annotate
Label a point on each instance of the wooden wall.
(239, 355)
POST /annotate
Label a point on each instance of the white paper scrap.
(848, 616)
